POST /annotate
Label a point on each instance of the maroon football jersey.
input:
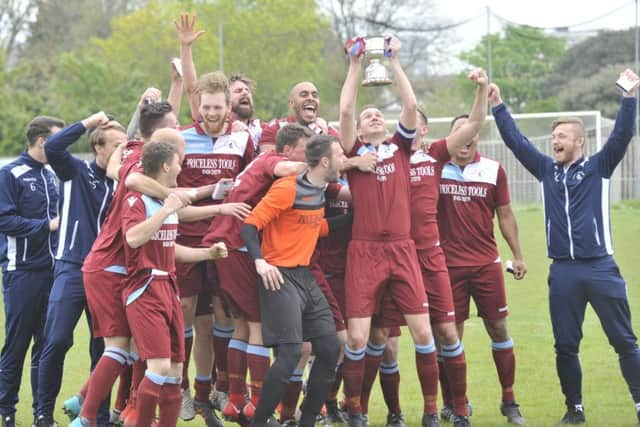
(424, 173)
(160, 251)
(332, 250)
(206, 161)
(272, 128)
(468, 200)
(107, 250)
(381, 200)
(249, 187)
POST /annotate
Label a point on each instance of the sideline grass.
(606, 399)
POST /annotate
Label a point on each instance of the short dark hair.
(151, 115)
(319, 146)
(154, 155)
(98, 136)
(423, 116)
(456, 118)
(239, 77)
(41, 127)
(290, 135)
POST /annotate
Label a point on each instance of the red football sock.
(137, 374)
(427, 366)
(290, 399)
(444, 383)
(147, 400)
(390, 384)
(102, 379)
(372, 360)
(352, 377)
(258, 362)
(456, 373)
(221, 338)
(124, 386)
(170, 403)
(237, 370)
(203, 388)
(505, 361)
(85, 388)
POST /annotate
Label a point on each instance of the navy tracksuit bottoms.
(597, 281)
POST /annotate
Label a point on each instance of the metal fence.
(524, 188)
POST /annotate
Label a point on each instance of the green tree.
(593, 92)
(522, 58)
(276, 42)
(583, 78)
(19, 106)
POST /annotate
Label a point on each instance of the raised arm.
(115, 161)
(471, 127)
(526, 153)
(614, 150)
(175, 91)
(187, 35)
(405, 90)
(150, 95)
(349, 95)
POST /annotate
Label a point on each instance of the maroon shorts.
(388, 315)
(336, 283)
(324, 286)
(436, 282)
(485, 284)
(104, 298)
(156, 321)
(395, 331)
(373, 267)
(239, 285)
(212, 279)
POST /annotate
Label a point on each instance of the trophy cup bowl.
(376, 74)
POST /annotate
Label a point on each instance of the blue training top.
(576, 200)
(86, 194)
(28, 198)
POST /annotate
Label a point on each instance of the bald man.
(304, 103)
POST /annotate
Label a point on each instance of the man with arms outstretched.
(575, 195)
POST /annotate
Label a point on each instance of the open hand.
(271, 276)
(186, 29)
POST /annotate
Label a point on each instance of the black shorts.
(297, 312)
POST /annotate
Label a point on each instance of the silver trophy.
(376, 74)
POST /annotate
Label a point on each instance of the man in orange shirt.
(293, 309)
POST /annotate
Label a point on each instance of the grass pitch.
(606, 398)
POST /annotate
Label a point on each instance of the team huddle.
(263, 249)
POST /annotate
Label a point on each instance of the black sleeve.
(340, 221)
(251, 237)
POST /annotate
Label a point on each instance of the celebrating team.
(295, 238)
